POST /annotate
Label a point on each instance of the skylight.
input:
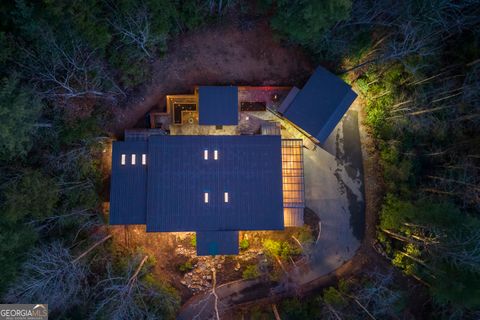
(205, 195)
(144, 159)
(134, 159)
(205, 154)
(225, 197)
(215, 155)
(123, 159)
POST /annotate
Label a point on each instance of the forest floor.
(224, 53)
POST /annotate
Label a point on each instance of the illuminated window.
(205, 196)
(123, 159)
(205, 154)
(215, 155)
(144, 159)
(225, 197)
(134, 159)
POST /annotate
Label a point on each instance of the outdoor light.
(123, 159)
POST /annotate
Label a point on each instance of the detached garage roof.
(321, 104)
(218, 105)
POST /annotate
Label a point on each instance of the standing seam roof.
(218, 105)
(321, 103)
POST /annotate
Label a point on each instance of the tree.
(131, 294)
(19, 110)
(305, 21)
(67, 68)
(32, 195)
(50, 276)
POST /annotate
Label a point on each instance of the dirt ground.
(220, 54)
(173, 249)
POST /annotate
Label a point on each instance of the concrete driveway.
(334, 191)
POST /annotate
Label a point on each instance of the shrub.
(185, 267)
(244, 244)
(251, 272)
(281, 249)
(193, 240)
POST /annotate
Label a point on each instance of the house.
(209, 174)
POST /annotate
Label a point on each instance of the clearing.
(220, 54)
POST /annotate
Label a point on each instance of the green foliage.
(18, 112)
(74, 132)
(304, 234)
(15, 242)
(335, 295)
(29, 196)
(457, 287)
(244, 244)
(281, 249)
(300, 309)
(305, 21)
(33, 196)
(185, 267)
(251, 272)
(193, 240)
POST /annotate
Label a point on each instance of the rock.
(208, 277)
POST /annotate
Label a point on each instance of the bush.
(193, 240)
(251, 272)
(185, 267)
(244, 244)
(281, 249)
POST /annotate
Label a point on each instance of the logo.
(23, 311)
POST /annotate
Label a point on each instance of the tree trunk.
(91, 248)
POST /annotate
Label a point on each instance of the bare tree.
(135, 28)
(53, 276)
(50, 276)
(128, 296)
(377, 297)
(68, 69)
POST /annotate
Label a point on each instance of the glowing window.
(215, 155)
(205, 196)
(134, 159)
(144, 159)
(123, 159)
(225, 197)
(205, 154)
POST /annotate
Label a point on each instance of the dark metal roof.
(218, 105)
(217, 243)
(249, 168)
(128, 190)
(321, 104)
